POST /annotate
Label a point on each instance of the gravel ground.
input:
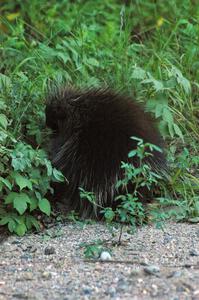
(151, 264)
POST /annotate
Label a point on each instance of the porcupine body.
(91, 136)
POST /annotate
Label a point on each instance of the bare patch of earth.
(151, 264)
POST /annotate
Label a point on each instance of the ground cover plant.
(147, 48)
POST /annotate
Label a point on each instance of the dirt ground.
(151, 264)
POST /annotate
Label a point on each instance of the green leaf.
(58, 175)
(178, 131)
(5, 220)
(138, 73)
(12, 225)
(6, 182)
(33, 204)
(20, 229)
(93, 62)
(22, 181)
(10, 197)
(49, 167)
(44, 206)
(109, 214)
(19, 201)
(32, 222)
(194, 220)
(3, 121)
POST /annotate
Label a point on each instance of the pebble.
(193, 252)
(46, 275)
(175, 274)
(152, 270)
(87, 291)
(134, 272)
(49, 250)
(111, 291)
(105, 255)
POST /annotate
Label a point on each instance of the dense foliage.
(147, 48)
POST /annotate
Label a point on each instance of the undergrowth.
(149, 49)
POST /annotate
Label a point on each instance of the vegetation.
(147, 48)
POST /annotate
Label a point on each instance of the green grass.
(148, 49)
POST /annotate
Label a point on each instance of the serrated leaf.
(158, 110)
(178, 131)
(138, 73)
(10, 197)
(20, 202)
(22, 181)
(44, 206)
(20, 205)
(3, 121)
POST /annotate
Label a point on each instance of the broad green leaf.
(93, 62)
(20, 205)
(167, 116)
(5, 220)
(12, 225)
(20, 201)
(20, 229)
(22, 181)
(139, 73)
(44, 206)
(10, 197)
(33, 204)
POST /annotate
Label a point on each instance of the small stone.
(145, 262)
(28, 276)
(46, 275)
(193, 252)
(111, 292)
(105, 255)
(87, 291)
(175, 274)
(134, 272)
(122, 285)
(49, 250)
(167, 238)
(152, 270)
(20, 296)
(26, 256)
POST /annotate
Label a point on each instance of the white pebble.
(105, 255)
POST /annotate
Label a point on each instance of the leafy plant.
(147, 48)
(136, 177)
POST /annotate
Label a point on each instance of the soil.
(150, 264)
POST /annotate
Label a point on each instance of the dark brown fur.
(91, 136)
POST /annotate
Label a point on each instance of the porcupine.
(91, 132)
